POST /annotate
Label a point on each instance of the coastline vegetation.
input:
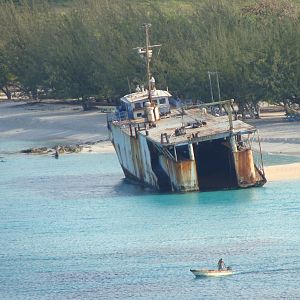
(82, 49)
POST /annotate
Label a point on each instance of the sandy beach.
(283, 172)
(278, 136)
(51, 124)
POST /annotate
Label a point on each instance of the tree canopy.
(85, 48)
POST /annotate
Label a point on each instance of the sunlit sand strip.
(283, 172)
(103, 147)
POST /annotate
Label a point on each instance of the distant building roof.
(138, 96)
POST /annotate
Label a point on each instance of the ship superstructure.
(180, 150)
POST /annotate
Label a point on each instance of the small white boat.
(213, 273)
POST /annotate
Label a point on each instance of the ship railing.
(117, 116)
(212, 110)
(189, 103)
(257, 153)
(219, 108)
(125, 122)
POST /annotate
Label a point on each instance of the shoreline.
(47, 125)
(90, 147)
(274, 173)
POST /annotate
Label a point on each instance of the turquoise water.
(272, 159)
(72, 228)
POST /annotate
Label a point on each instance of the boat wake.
(279, 270)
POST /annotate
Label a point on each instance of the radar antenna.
(146, 52)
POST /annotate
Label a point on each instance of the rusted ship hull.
(195, 166)
(181, 149)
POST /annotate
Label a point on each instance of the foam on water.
(73, 228)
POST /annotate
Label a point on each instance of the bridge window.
(138, 105)
(162, 101)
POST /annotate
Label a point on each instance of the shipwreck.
(181, 149)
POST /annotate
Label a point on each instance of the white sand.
(102, 147)
(283, 172)
(277, 135)
(52, 124)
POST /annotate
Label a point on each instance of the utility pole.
(211, 91)
(219, 93)
(210, 85)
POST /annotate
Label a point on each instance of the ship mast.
(147, 26)
(146, 52)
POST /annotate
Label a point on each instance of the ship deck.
(198, 127)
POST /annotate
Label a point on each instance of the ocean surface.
(73, 228)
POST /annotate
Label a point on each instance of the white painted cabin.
(134, 103)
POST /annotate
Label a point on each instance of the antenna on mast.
(148, 57)
(146, 52)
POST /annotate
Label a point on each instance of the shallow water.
(73, 228)
(274, 159)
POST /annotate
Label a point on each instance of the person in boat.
(221, 264)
